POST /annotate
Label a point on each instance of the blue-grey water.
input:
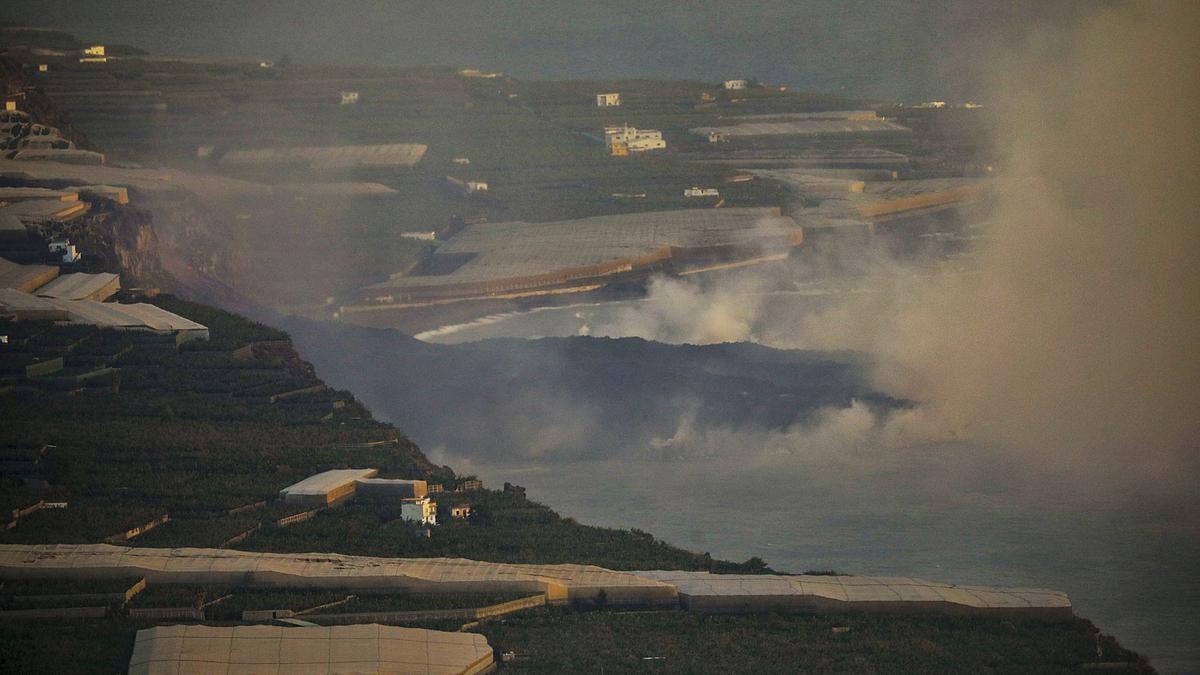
(897, 49)
(1128, 557)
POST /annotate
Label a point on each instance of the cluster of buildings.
(623, 140)
(339, 485)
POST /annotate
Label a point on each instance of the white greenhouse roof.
(331, 157)
(14, 300)
(514, 249)
(361, 648)
(853, 590)
(327, 481)
(81, 286)
(135, 315)
(699, 590)
(803, 127)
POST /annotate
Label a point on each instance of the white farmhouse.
(623, 140)
(608, 100)
(735, 84)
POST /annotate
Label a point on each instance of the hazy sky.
(911, 49)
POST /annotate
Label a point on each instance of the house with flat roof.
(422, 510)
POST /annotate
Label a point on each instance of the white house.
(735, 84)
(94, 50)
(717, 137)
(623, 140)
(701, 192)
(349, 97)
(608, 100)
(421, 509)
(66, 249)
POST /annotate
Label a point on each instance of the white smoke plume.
(1079, 338)
(1074, 339)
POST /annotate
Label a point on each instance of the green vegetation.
(56, 646)
(186, 430)
(504, 527)
(555, 640)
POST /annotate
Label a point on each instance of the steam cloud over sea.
(1070, 337)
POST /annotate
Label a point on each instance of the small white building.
(94, 50)
(429, 235)
(608, 100)
(460, 511)
(65, 249)
(349, 97)
(461, 161)
(735, 84)
(468, 186)
(717, 137)
(701, 192)
(420, 509)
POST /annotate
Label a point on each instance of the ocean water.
(1128, 563)
(896, 49)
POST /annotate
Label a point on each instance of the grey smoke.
(1071, 339)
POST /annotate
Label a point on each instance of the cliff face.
(116, 238)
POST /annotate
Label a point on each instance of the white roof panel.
(327, 481)
(363, 648)
(80, 286)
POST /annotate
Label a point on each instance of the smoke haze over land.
(1071, 336)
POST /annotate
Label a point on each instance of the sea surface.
(896, 49)
(1127, 558)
